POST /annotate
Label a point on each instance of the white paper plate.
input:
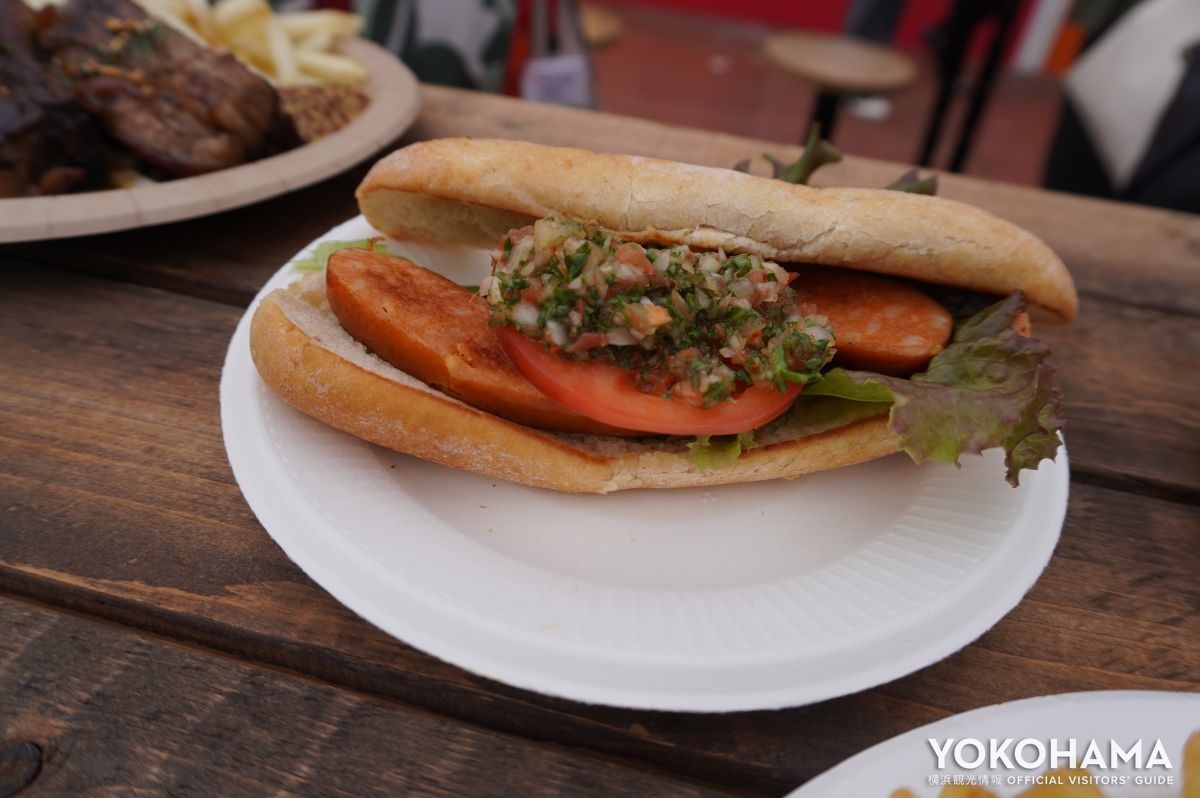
(1124, 716)
(732, 598)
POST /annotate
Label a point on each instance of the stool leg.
(933, 128)
(950, 50)
(824, 113)
(1006, 11)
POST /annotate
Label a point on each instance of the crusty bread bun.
(305, 356)
(473, 191)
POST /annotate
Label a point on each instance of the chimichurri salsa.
(696, 326)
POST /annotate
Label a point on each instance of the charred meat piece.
(178, 106)
(48, 144)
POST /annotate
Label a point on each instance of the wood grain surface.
(141, 716)
(117, 503)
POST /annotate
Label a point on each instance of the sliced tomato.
(610, 395)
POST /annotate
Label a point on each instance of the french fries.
(283, 55)
(291, 49)
(302, 24)
(330, 67)
(229, 14)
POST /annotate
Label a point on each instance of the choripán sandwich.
(657, 324)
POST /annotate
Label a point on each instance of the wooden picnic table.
(155, 640)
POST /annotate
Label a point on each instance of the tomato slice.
(610, 395)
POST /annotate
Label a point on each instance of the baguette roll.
(473, 191)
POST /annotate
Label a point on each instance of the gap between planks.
(1136, 486)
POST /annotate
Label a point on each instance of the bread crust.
(472, 191)
(306, 358)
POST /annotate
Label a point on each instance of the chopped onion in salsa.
(697, 326)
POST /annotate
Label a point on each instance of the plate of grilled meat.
(113, 118)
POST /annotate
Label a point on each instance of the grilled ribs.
(178, 106)
(48, 144)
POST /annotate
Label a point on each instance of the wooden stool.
(838, 65)
(601, 26)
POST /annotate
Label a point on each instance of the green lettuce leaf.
(812, 415)
(989, 387)
(316, 259)
(719, 451)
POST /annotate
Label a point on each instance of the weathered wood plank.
(1128, 425)
(117, 501)
(1125, 252)
(106, 711)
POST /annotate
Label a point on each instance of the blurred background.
(1093, 96)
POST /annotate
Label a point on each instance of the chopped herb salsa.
(691, 325)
